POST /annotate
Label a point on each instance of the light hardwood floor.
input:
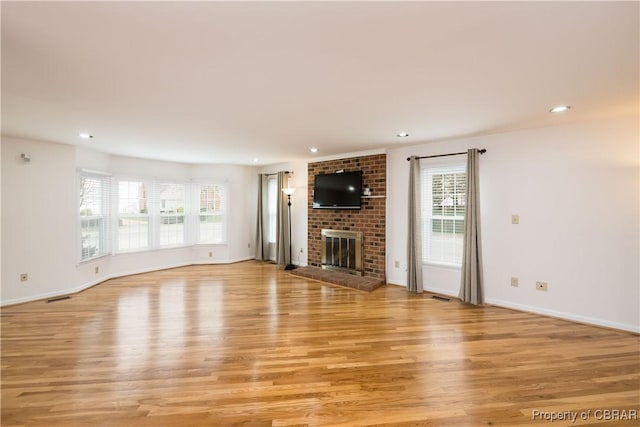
(248, 344)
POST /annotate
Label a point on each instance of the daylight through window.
(443, 206)
(133, 215)
(212, 224)
(94, 215)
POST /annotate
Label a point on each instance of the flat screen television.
(337, 190)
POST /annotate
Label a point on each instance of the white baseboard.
(206, 261)
(492, 301)
(447, 292)
(47, 295)
(545, 312)
(75, 290)
(563, 315)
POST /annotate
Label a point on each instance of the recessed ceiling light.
(402, 134)
(559, 108)
(313, 149)
(85, 136)
(255, 160)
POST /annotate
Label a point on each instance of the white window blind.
(443, 206)
(94, 197)
(133, 215)
(126, 215)
(213, 217)
(171, 199)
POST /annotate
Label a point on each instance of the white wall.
(576, 189)
(39, 218)
(242, 198)
(40, 228)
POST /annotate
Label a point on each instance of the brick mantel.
(370, 220)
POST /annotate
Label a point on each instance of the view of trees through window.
(124, 215)
(93, 195)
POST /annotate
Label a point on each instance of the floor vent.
(58, 299)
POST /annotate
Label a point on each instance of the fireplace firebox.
(342, 251)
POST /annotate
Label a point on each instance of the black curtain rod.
(276, 173)
(446, 155)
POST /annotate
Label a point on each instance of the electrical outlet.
(515, 219)
(24, 277)
(210, 254)
(97, 269)
(397, 264)
(514, 282)
(249, 245)
(541, 286)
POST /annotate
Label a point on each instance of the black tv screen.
(337, 190)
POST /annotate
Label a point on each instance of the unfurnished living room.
(320, 213)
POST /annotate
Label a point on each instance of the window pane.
(133, 215)
(92, 237)
(90, 196)
(133, 233)
(212, 214)
(132, 197)
(172, 230)
(443, 221)
(171, 198)
(212, 228)
(211, 199)
(93, 212)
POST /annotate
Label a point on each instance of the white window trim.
(435, 167)
(191, 214)
(197, 214)
(157, 215)
(116, 215)
(108, 182)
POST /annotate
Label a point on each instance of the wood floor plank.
(251, 345)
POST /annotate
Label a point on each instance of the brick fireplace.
(369, 220)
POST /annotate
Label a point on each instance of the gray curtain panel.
(262, 246)
(282, 222)
(471, 282)
(414, 234)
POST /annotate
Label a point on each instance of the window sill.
(143, 251)
(160, 249)
(448, 266)
(90, 260)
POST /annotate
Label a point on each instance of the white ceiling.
(226, 82)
